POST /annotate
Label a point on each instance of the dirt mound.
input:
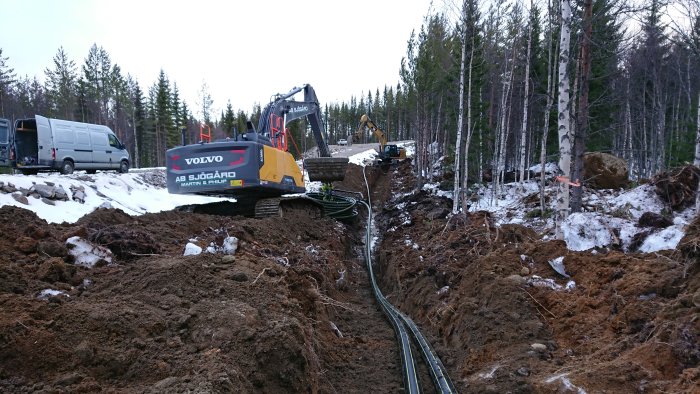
(677, 186)
(504, 320)
(651, 219)
(291, 311)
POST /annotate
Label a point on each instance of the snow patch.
(86, 254)
(136, 192)
(48, 293)
(558, 265)
(490, 374)
(364, 158)
(230, 245)
(538, 281)
(667, 238)
(549, 168)
(192, 249)
(566, 385)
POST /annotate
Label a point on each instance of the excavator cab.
(393, 152)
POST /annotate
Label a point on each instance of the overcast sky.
(245, 51)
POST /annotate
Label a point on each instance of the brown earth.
(278, 318)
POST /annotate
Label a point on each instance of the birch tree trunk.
(503, 128)
(564, 122)
(523, 130)
(465, 185)
(460, 122)
(435, 148)
(547, 111)
(628, 127)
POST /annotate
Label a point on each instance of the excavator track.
(289, 206)
(313, 205)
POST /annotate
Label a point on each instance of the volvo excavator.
(256, 167)
(387, 152)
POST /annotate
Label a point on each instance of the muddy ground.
(277, 317)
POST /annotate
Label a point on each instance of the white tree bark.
(503, 131)
(564, 122)
(628, 127)
(547, 111)
(470, 129)
(523, 130)
(460, 122)
(697, 156)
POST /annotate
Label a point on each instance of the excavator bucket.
(326, 169)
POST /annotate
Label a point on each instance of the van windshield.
(3, 132)
(113, 141)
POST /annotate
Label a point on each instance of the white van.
(43, 144)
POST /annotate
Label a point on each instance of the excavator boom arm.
(288, 110)
(367, 123)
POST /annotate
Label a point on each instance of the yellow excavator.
(387, 152)
(256, 167)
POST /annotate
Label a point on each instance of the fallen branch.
(538, 303)
(332, 302)
(260, 274)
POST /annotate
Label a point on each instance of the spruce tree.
(604, 97)
(7, 78)
(96, 85)
(175, 134)
(228, 120)
(163, 116)
(138, 123)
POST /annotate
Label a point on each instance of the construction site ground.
(292, 310)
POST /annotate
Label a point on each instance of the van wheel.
(124, 167)
(67, 167)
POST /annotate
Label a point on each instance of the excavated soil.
(292, 311)
(628, 324)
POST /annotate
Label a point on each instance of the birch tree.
(205, 103)
(460, 123)
(564, 122)
(548, 106)
(469, 16)
(465, 183)
(505, 109)
(523, 128)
